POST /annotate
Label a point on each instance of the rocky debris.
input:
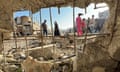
(47, 66)
(94, 58)
(32, 65)
(8, 59)
(20, 56)
(64, 42)
(46, 53)
(1, 71)
(11, 68)
(43, 56)
(41, 60)
(98, 69)
(114, 53)
(49, 54)
(35, 43)
(66, 66)
(9, 64)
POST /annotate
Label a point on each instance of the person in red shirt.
(79, 25)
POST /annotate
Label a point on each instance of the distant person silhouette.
(44, 28)
(56, 29)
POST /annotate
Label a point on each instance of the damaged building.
(25, 26)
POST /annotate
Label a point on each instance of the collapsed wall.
(103, 55)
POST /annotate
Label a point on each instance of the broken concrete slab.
(32, 65)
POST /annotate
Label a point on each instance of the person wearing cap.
(79, 25)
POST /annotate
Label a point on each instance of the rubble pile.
(46, 66)
(45, 53)
(36, 65)
(9, 64)
(95, 56)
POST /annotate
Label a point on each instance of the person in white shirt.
(92, 24)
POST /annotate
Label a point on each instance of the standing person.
(88, 25)
(44, 27)
(84, 25)
(56, 29)
(79, 25)
(92, 24)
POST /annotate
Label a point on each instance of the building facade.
(104, 14)
(25, 26)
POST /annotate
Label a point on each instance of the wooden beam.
(36, 48)
(88, 37)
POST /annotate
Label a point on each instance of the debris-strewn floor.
(56, 56)
(51, 55)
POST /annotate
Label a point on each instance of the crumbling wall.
(104, 53)
(114, 47)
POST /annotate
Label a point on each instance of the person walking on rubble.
(79, 25)
(44, 27)
(56, 29)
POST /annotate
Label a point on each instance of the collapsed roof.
(8, 7)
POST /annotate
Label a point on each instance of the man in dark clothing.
(44, 28)
(56, 29)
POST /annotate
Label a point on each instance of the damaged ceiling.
(35, 5)
(8, 7)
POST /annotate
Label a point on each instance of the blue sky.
(65, 18)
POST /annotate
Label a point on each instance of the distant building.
(104, 15)
(101, 20)
(99, 24)
(25, 26)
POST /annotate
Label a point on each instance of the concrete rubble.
(43, 58)
(46, 66)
